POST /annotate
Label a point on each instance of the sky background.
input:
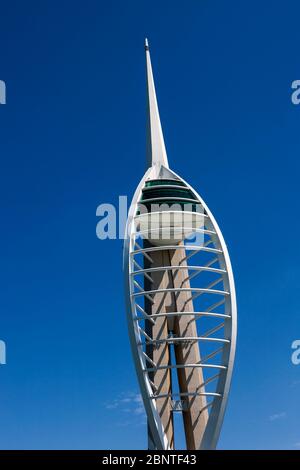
(72, 136)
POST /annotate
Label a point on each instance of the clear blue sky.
(72, 136)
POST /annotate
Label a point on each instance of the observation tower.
(181, 304)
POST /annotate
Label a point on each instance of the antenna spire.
(156, 150)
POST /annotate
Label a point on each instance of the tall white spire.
(156, 150)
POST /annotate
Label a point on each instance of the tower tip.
(156, 151)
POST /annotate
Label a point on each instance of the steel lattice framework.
(181, 304)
